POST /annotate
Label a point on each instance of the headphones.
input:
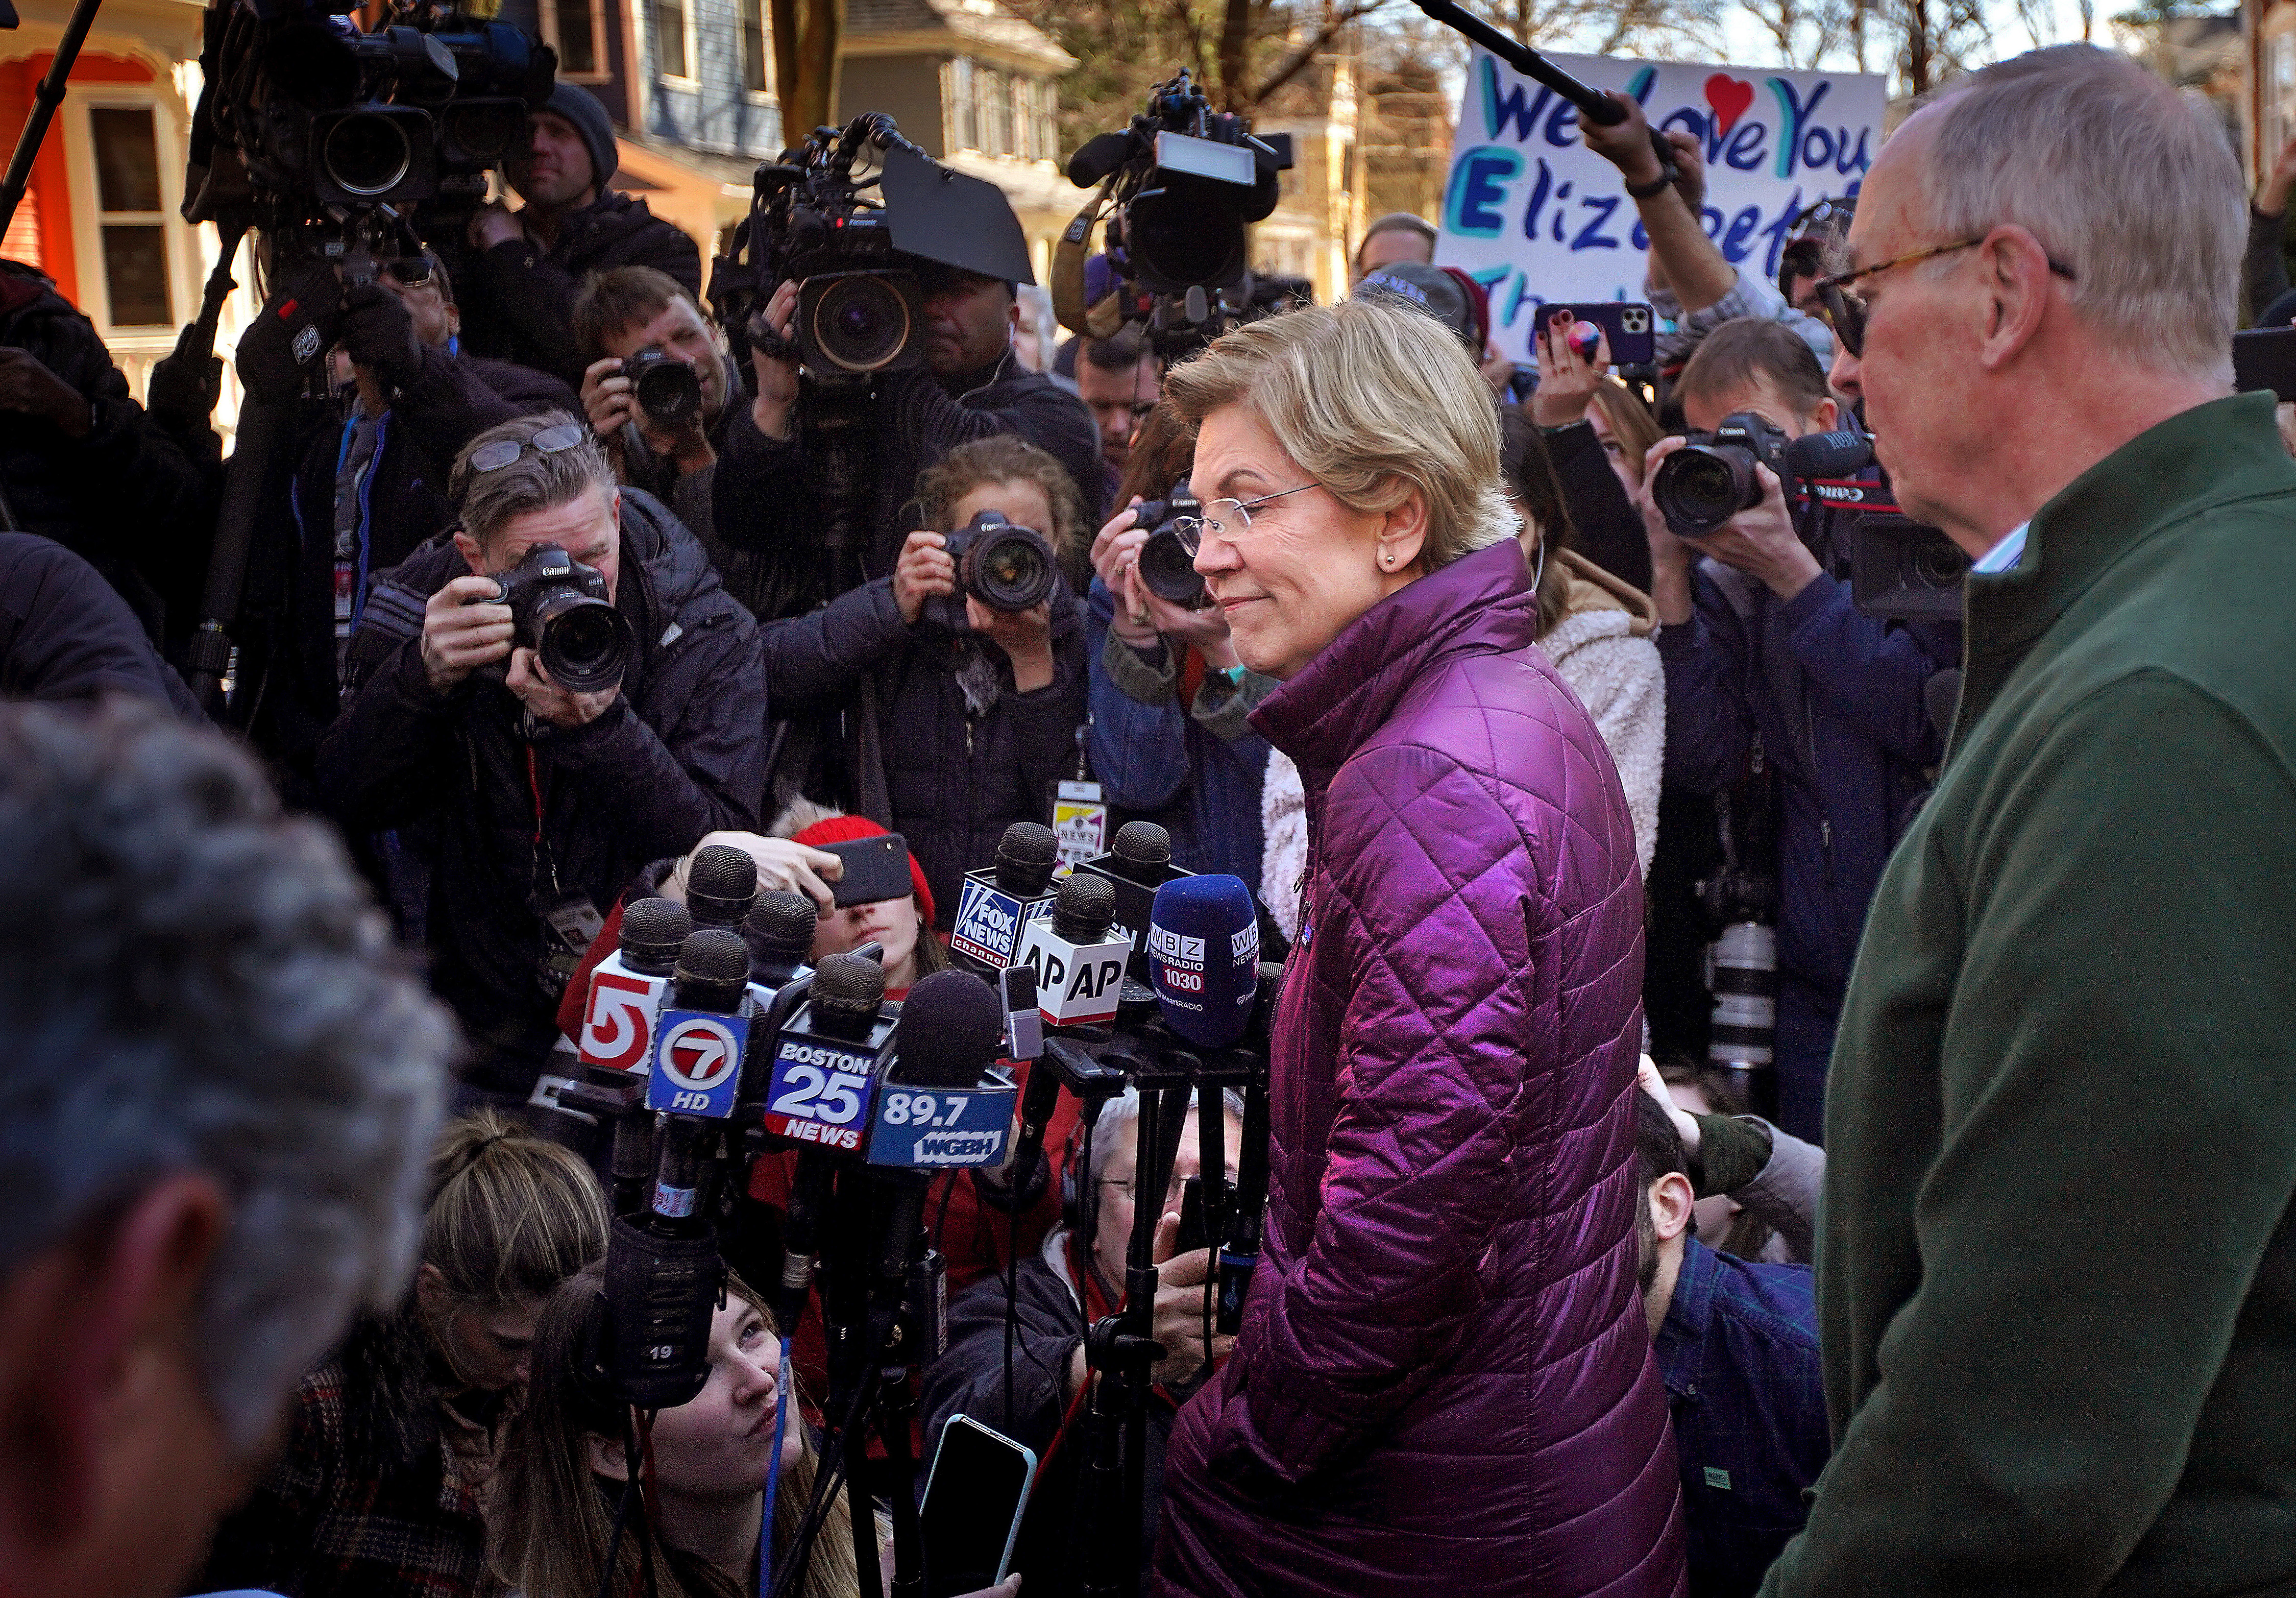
(1079, 1150)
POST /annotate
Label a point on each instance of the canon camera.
(1711, 478)
(1005, 568)
(560, 610)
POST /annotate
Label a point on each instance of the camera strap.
(571, 921)
(1096, 321)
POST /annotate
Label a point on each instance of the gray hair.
(535, 481)
(1120, 1115)
(191, 981)
(2118, 177)
(1036, 310)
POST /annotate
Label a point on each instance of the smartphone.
(975, 1496)
(1631, 329)
(875, 868)
(2264, 358)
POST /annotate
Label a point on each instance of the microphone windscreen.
(951, 1031)
(849, 985)
(1025, 858)
(721, 883)
(1084, 909)
(1829, 455)
(653, 930)
(783, 922)
(1097, 157)
(1203, 957)
(713, 954)
(1143, 847)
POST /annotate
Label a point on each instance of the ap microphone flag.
(1203, 958)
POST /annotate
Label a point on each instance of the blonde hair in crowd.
(512, 1214)
(550, 1518)
(1371, 400)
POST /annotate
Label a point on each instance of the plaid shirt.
(327, 1525)
(1739, 1354)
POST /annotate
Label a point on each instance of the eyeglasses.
(1191, 530)
(409, 272)
(506, 452)
(1131, 1189)
(1846, 309)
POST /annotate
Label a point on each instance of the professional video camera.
(1179, 187)
(1005, 568)
(1897, 570)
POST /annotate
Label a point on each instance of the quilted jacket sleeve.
(1430, 887)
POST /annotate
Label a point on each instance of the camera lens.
(861, 323)
(483, 132)
(1181, 243)
(366, 154)
(1169, 570)
(1012, 570)
(583, 641)
(1936, 562)
(1699, 487)
(669, 391)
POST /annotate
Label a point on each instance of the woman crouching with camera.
(1443, 1378)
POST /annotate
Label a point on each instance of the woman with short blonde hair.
(1444, 1376)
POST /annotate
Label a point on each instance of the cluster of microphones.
(709, 1041)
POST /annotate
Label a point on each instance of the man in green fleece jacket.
(2057, 1270)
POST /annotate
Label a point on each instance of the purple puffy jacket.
(1444, 1384)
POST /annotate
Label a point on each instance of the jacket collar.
(1681, 1343)
(2211, 455)
(1481, 603)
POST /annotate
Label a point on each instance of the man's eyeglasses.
(1218, 513)
(409, 272)
(505, 451)
(1847, 309)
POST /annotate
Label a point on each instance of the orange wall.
(20, 81)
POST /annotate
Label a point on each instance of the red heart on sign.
(1729, 96)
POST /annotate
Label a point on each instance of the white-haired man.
(2058, 1273)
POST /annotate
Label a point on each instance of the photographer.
(1074, 1279)
(83, 464)
(1690, 283)
(976, 720)
(971, 388)
(370, 486)
(1169, 741)
(1119, 378)
(220, 1083)
(395, 1436)
(526, 266)
(1764, 652)
(696, 466)
(547, 801)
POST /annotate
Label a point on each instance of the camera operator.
(545, 801)
(221, 1084)
(1119, 378)
(974, 722)
(83, 464)
(1074, 1279)
(1764, 651)
(526, 266)
(1170, 740)
(375, 479)
(2059, 1340)
(1690, 283)
(396, 1436)
(696, 466)
(971, 386)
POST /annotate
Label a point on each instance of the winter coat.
(2059, 1338)
(679, 754)
(956, 780)
(1602, 648)
(286, 633)
(127, 499)
(65, 634)
(1194, 770)
(1444, 1381)
(518, 298)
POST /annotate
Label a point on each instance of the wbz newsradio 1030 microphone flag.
(1203, 958)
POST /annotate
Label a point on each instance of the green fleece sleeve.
(2116, 1152)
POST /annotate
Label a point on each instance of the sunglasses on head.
(505, 451)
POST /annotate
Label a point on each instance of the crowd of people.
(1548, 1302)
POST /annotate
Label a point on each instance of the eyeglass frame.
(1190, 530)
(550, 441)
(1832, 288)
(395, 268)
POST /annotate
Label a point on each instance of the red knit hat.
(845, 829)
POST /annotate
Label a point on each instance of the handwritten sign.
(1537, 217)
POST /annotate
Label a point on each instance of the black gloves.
(288, 342)
(378, 333)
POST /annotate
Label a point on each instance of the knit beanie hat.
(580, 107)
(845, 829)
(1429, 289)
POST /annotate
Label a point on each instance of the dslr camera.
(1711, 479)
(1005, 568)
(559, 609)
(666, 388)
(1167, 569)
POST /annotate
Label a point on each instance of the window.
(756, 49)
(996, 115)
(131, 216)
(1044, 136)
(965, 132)
(671, 53)
(574, 29)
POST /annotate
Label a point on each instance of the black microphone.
(1025, 858)
(720, 885)
(1078, 953)
(1097, 157)
(849, 991)
(827, 1054)
(628, 988)
(1143, 852)
(779, 929)
(993, 905)
(1137, 863)
(1828, 454)
(950, 1033)
(704, 1032)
